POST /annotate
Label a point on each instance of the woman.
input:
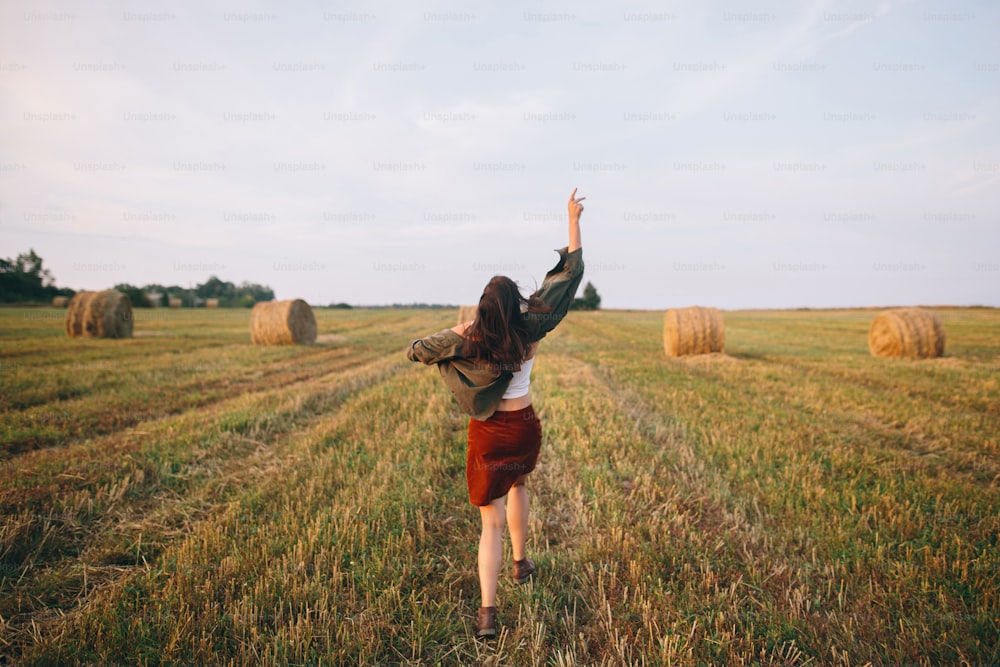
(486, 363)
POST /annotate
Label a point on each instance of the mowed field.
(184, 497)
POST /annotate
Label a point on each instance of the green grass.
(184, 497)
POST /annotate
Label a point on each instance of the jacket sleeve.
(557, 291)
(442, 346)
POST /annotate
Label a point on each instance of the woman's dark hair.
(499, 335)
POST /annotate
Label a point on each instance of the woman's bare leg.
(517, 518)
(491, 550)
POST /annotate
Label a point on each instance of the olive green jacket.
(476, 386)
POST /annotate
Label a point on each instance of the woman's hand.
(460, 328)
(575, 207)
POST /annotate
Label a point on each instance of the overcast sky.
(735, 154)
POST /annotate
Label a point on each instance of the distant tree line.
(230, 295)
(244, 295)
(26, 280)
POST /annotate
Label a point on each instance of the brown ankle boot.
(523, 570)
(487, 624)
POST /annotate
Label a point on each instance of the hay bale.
(211, 303)
(60, 301)
(906, 332)
(175, 302)
(282, 323)
(466, 313)
(693, 330)
(106, 314)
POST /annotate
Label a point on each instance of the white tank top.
(518, 386)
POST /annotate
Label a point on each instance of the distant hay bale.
(106, 314)
(282, 323)
(211, 303)
(60, 301)
(906, 332)
(693, 330)
(466, 313)
(175, 302)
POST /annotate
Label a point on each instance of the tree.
(26, 279)
(255, 291)
(591, 300)
(213, 288)
(136, 295)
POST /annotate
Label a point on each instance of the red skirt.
(501, 449)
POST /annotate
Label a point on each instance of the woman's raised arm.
(575, 209)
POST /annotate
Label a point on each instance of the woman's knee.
(494, 515)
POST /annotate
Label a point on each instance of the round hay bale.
(211, 303)
(106, 314)
(60, 301)
(466, 313)
(175, 302)
(693, 330)
(914, 333)
(282, 323)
